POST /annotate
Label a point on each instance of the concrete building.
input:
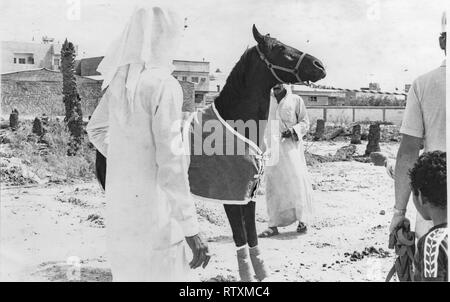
(374, 86)
(196, 72)
(330, 96)
(319, 96)
(19, 56)
(407, 87)
(88, 66)
(217, 81)
(192, 75)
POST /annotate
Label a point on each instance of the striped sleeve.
(435, 256)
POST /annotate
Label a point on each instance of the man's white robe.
(149, 206)
(289, 192)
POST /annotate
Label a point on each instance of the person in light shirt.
(424, 122)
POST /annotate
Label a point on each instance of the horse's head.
(287, 64)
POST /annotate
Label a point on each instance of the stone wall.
(37, 92)
(40, 91)
(188, 96)
(351, 114)
(36, 98)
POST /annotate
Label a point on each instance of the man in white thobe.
(289, 190)
(150, 210)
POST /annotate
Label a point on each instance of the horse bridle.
(272, 67)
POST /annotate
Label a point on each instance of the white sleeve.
(302, 126)
(267, 131)
(98, 125)
(412, 123)
(172, 174)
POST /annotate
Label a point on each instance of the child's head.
(429, 183)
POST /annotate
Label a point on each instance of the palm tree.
(72, 100)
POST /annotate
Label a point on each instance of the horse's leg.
(250, 223)
(252, 240)
(100, 168)
(236, 218)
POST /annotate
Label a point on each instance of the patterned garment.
(431, 261)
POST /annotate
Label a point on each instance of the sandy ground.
(57, 233)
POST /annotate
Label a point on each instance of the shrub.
(376, 101)
(47, 155)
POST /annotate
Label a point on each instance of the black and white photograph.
(255, 141)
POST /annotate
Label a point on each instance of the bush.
(47, 155)
(377, 101)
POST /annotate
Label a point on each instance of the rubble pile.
(14, 172)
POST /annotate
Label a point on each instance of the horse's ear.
(258, 37)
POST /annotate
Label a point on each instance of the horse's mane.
(236, 81)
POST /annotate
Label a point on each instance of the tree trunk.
(373, 144)
(320, 130)
(356, 134)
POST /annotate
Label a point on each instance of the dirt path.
(46, 230)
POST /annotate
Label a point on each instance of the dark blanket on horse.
(225, 166)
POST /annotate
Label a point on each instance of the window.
(202, 79)
(184, 79)
(198, 98)
(56, 62)
(313, 99)
(195, 79)
(24, 58)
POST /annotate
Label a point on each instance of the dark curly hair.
(429, 176)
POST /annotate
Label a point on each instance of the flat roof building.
(19, 56)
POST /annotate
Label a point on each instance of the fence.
(350, 114)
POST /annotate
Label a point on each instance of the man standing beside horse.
(289, 192)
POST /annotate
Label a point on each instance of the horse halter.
(272, 67)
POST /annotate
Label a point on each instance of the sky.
(359, 41)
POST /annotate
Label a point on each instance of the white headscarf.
(150, 40)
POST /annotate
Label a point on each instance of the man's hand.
(199, 250)
(397, 219)
(290, 133)
(286, 134)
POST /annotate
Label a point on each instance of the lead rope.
(403, 241)
(262, 159)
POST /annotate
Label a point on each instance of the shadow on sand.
(63, 272)
(286, 235)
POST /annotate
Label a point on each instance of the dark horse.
(246, 96)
